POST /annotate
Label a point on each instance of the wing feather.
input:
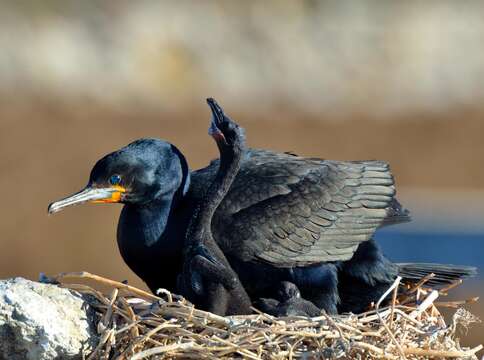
(292, 211)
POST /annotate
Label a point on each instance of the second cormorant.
(288, 218)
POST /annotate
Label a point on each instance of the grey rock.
(41, 321)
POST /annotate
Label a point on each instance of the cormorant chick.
(289, 303)
(284, 218)
(207, 278)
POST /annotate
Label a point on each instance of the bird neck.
(150, 223)
(145, 225)
(229, 166)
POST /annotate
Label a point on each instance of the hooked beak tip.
(87, 195)
(217, 118)
(217, 111)
(52, 209)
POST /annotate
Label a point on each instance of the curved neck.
(149, 223)
(230, 159)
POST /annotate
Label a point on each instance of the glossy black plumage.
(289, 211)
(288, 302)
(285, 218)
(289, 218)
(207, 278)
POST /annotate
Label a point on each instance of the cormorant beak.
(215, 132)
(217, 118)
(89, 194)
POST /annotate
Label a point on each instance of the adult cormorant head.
(139, 173)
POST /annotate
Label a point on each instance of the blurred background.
(399, 81)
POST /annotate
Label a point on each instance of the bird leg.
(204, 265)
(209, 281)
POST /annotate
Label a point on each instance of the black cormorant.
(288, 302)
(207, 278)
(285, 218)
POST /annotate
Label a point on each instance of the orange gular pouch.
(115, 196)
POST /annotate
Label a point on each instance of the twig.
(420, 283)
(105, 281)
(445, 289)
(425, 304)
(442, 353)
(394, 300)
(377, 307)
(163, 349)
(136, 328)
(456, 304)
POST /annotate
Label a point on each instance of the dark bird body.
(288, 303)
(272, 224)
(207, 278)
(285, 218)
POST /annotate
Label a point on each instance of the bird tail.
(445, 274)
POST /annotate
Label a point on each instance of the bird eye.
(115, 180)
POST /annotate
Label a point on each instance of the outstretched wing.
(292, 211)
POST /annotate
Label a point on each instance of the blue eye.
(115, 180)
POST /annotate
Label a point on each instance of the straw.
(134, 324)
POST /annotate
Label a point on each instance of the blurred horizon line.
(442, 210)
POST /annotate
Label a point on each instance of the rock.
(40, 321)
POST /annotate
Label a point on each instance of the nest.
(134, 324)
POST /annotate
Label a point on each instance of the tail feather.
(444, 273)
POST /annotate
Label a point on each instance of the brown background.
(401, 83)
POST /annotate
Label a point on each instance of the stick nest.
(134, 324)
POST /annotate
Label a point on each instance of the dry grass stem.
(134, 324)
